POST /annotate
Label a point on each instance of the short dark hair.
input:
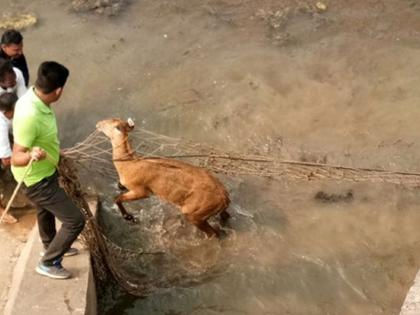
(6, 66)
(11, 37)
(7, 102)
(51, 76)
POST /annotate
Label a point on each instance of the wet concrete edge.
(33, 294)
(411, 305)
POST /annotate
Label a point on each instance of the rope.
(17, 189)
(95, 154)
(28, 167)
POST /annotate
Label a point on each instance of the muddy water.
(286, 252)
(269, 77)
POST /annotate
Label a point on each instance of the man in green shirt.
(36, 138)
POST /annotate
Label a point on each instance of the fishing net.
(112, 262)
(95, 154)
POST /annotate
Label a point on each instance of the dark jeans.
(52, 202)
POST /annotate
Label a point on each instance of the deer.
(194, 190)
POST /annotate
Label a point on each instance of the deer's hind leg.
(207, 228)
(129, 196)
(224, 216)
(202, 225)
(197, 216)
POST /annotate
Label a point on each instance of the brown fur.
(197, 193)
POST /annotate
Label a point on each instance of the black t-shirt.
(19, 63)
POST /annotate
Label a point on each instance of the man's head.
(12, 43)
(7, 75)
(7, 104)
(51, 79)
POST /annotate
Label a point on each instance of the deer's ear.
(130, 124)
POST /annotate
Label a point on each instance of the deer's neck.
(121, 150)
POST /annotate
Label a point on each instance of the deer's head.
(115, 127)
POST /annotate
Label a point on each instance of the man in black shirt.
(12, 49)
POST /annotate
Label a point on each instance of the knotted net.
(95, 155)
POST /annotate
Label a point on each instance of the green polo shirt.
(35, 125)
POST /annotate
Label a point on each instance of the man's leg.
(46, 226)
(72, 225)
(48, 196)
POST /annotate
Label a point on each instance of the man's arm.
(5, 148)
(21, 155)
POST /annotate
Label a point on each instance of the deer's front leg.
(126, 215)
(129, 196)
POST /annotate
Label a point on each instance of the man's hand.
(38, 154)
(21, 155)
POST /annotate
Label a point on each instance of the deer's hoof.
(130, 218)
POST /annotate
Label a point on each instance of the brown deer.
(197, 193)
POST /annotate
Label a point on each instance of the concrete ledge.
(411, 305)
(33, 294)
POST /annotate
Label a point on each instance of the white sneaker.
(55, 271)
